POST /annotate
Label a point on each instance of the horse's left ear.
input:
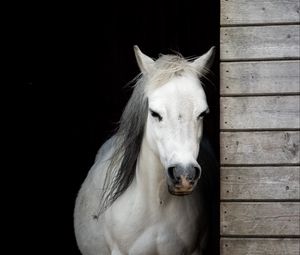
(205, 61)
(145, 63)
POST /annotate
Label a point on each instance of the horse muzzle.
(183, 179)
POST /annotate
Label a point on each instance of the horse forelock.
(167, 67)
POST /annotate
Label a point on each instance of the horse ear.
(205, 61)
(145, 63)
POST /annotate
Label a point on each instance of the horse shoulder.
(106, 149)
(92, 185)
(87, 201)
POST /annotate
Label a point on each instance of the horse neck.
(150, 176)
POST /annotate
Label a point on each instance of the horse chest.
(162, 231)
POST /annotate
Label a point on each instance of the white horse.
(141, 196)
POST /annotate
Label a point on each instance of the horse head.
(176, 107)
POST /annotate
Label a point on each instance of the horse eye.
(156, 115)
(202, 114)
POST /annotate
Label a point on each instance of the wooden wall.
(260, 123)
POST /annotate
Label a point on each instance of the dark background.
(84, 58)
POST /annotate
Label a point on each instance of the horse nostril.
(175, 178)
(171, 172)
(197, 172)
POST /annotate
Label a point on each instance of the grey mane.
(128, 138)
(127, 144)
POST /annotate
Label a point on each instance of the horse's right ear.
(145, 63)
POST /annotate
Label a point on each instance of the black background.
(83, 60)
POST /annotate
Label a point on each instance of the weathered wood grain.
(260, 218)
(260, 77)
(260, 246)
(260, 112)
(261, 42)
(260, 183)
(259, 11)
(275, 147)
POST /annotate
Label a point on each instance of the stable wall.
(259, 121)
